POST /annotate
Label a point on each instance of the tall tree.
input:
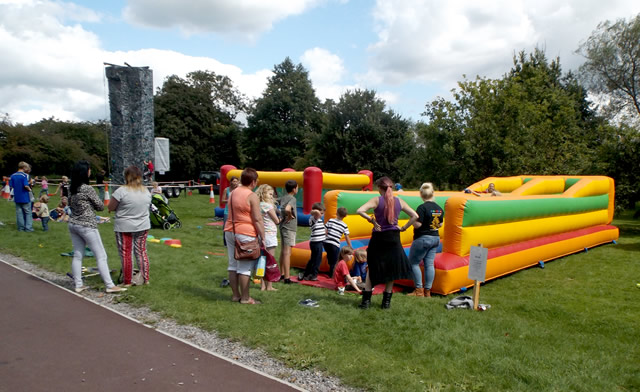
(52, 146)
(361, 134)
(612, 65)
(198, 115)
(533, 120)
(283, 121)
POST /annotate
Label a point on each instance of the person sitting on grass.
(341, 276)
(359, 269)
(62, 211)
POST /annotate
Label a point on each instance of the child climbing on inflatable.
(341, 276)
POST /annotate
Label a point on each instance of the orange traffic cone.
(6, 191)
(106, 194)
(212, 197)
(189, 193)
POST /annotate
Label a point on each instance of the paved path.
(54, 340)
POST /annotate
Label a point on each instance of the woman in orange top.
(245, 215)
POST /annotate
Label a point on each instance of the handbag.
(272, 272)
(243, 250)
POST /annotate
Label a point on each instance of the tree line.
(535, 119)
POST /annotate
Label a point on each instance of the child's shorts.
(288, 237)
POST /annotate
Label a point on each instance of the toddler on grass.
(42, 211)
(341, 276)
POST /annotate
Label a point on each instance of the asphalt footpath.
(54, 340)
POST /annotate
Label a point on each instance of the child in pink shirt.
(341, 274)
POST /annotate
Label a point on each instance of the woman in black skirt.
(385, 255)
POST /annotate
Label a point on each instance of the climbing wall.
(131, 102)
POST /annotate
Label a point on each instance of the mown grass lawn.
(572, 326)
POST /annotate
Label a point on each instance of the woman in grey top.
(83, 228)
(131, 203)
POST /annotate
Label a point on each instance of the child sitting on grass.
(341, 274)
(359, 269)
(62, 211)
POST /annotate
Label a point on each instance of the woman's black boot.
(386, 300)
(366, 299)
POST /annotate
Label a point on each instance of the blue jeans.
(45, 223)
(24, 217)
(424, 248)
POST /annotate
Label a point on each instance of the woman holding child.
(385, 254)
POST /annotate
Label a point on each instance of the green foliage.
(52, 146)
(618, 158)
(361, 134)
(198, 115)
(612, 66)
(533, 120)
(283, 120)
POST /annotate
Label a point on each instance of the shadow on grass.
(629, 247)
(208, 293)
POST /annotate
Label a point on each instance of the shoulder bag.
(243, 250)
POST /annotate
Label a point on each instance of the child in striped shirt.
(318, 235)
(336, 228)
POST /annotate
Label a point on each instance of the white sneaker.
(81, 289)
(115, 289)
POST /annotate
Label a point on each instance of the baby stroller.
(162, 215)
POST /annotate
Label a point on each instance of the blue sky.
(408, 51)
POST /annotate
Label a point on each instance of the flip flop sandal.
(251, 301)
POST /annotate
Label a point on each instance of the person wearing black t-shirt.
(425, 240)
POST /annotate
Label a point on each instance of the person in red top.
(245, 223)
(341, 272)
(148, 171)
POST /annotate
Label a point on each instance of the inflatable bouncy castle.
(536, 219)
(313, 183)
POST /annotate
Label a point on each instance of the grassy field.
(572, 326)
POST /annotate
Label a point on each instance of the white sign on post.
(478, 263)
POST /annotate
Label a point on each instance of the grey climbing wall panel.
(131, 102)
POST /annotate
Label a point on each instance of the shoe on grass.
(81, 289)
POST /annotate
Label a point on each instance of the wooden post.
(476, 294)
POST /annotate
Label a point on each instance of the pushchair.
(162, 215)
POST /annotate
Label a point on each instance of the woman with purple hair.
(385, 254)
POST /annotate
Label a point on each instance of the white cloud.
(248, 18)
(50, 68)
(434, 41)
(326, 71)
